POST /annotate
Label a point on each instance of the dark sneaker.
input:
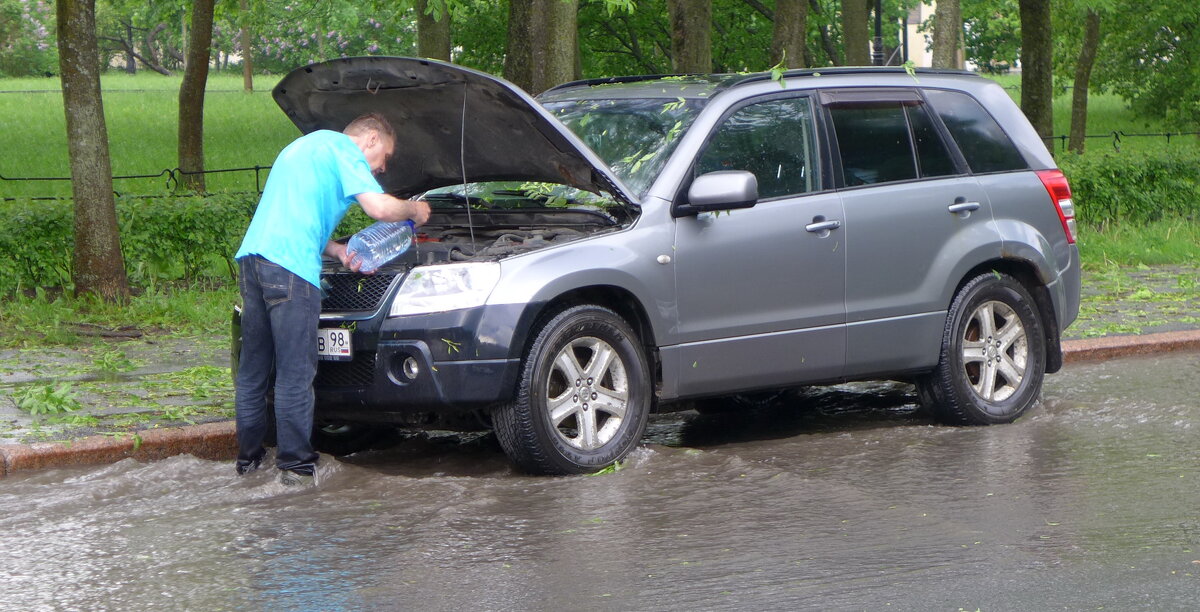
(246, 468)
(289, 478)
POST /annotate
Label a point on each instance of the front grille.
(354, 291)
(360, 372)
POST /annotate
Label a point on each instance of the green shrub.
(162, 239)
(183, 237)
(169, 238)
(1142, 188)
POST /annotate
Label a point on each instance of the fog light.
(411, 368)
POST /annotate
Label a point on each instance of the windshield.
(634, 136)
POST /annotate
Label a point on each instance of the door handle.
(819, 225)
(963, 207)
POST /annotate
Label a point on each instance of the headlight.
(445, 287)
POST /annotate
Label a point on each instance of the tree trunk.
(542, 43)
(1083, 74)
(151, 56)
(98, 267)
(518, 56)
(130, 58)
(691, 35)
(1037, 87)
(191, 97)
(789, 40)
(947, 29)
(247, 56)
(433, 33)
(555, 43)
(854, 32)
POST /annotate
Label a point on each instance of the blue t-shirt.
(312, 184)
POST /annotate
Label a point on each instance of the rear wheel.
(583, 397)
(993, 357)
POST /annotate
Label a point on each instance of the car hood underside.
(453, 125)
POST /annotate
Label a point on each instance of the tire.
(993, 356)
(583, 397)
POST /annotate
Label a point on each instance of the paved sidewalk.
(152, 397)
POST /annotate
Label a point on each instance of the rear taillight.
(1060, 194)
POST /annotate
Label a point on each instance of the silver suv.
(628, 245)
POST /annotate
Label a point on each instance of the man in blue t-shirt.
(312, 184)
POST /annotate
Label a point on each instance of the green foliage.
(27, 46)
(1153, 59)
(182, 237)
(1122, 188)
(37, 239)
(198, 383)
(354, 220)
(308, 31)
(114, 361)
(46, 399)
(168, 238)
(992, 31)
(611, 468)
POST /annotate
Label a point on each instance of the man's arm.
(385, 207)
(338, 251)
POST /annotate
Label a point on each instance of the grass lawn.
(244, 130)
(141, 112)
(1107, 113)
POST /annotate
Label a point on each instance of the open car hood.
(446, 117)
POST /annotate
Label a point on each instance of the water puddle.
(837, 498)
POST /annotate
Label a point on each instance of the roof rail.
(727, 79)
(633, 78)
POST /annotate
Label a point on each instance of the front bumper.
(442, 363)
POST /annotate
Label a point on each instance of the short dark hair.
(371, 122)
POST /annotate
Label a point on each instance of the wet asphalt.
(843, 498)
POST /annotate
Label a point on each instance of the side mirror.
(721, 190)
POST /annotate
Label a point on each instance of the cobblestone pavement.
(1140, 300)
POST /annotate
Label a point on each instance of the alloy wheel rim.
(587, 393)
(995, 351)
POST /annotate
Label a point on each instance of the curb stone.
(218, 442)
(215, 441)
(1110, 347)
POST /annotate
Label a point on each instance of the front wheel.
(993, 357)
(583, 397)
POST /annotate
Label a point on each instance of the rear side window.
(984, 145)
(772, 139)
(885, 141)
(932, 157)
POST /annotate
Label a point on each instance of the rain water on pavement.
(838, 498)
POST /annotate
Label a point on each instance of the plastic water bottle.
(380, 243)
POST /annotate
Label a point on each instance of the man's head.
(375, 136)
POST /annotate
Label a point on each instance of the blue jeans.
(280, 314)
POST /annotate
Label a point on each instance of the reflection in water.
(841, 497)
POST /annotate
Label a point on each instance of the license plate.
(334, 345)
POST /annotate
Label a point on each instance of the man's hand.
(418, 211)
(347, 257)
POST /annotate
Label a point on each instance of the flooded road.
(839, 498)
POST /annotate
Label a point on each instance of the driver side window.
(771, 139)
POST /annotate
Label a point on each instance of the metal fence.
(1116, 136)
(170, 178)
